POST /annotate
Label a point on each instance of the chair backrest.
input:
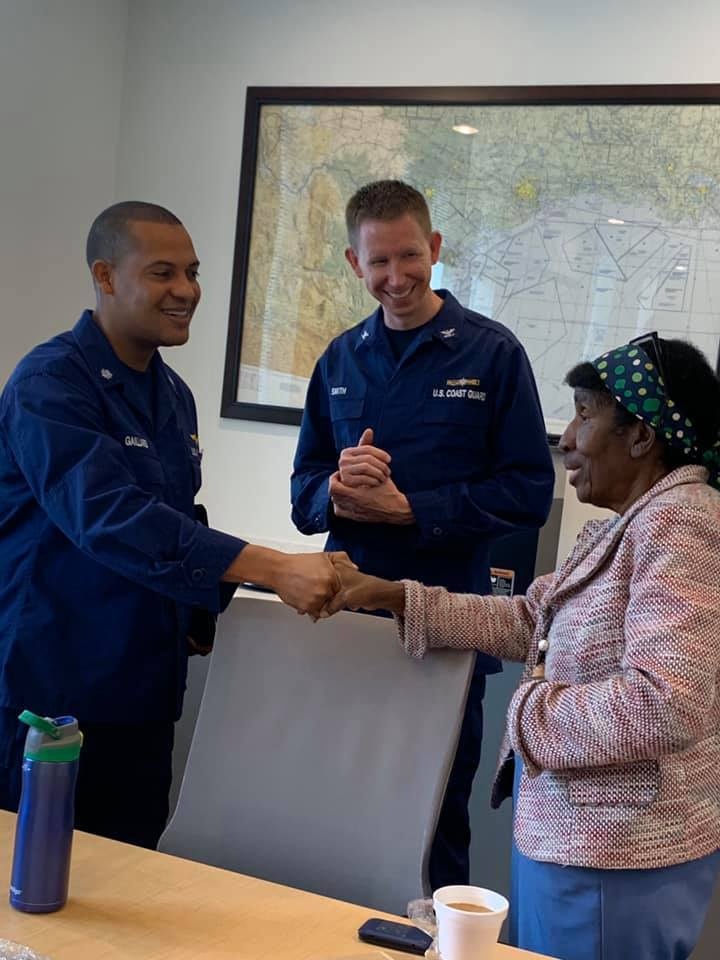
(320, 755)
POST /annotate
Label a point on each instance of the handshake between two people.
(362, 490)
(321, 584)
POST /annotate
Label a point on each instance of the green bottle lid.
(56, 740)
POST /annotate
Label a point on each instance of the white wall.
(182, 121)
(61, 73)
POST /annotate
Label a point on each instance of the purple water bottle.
(43, 834)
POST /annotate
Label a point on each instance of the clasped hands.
(362, 489)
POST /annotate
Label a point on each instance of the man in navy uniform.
(422, 440)
(102, 562)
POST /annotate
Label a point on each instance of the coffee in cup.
(471, 907)
(468, 920)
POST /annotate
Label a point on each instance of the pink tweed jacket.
(621, 741)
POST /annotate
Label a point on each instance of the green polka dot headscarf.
(632, 377)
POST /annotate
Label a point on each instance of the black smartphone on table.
(396, 936)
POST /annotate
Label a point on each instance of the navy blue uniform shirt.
(461, 419)
(100, 559)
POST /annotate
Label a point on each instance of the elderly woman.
(612, 748)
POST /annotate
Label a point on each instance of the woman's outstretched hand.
(358, 591)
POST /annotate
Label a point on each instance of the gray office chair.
(320, 755)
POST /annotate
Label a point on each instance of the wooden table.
(137, 904)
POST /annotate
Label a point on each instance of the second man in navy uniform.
(422, 440)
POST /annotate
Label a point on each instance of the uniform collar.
(110, 372)
(447, 326)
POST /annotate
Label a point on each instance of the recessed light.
(465, 129)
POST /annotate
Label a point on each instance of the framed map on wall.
(578, 217)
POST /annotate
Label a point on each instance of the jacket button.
(437, 531)
(198, 574)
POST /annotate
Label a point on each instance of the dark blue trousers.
(123, 778)
(450, 851)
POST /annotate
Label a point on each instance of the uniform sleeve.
(499, 626)
(81, 478)
(315, 460)
(661, 700)
(517, 491)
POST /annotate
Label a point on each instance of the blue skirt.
(581, 913)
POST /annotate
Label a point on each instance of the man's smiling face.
(155, 287)
(395, 259)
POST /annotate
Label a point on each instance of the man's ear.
(352, 259)
(643, 439)
(435, 244)
(102, 275)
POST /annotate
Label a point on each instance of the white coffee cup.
(463, 934)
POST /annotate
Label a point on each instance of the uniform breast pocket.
(147, 470)
(461, 411)
(457, 427)
(346, 413)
